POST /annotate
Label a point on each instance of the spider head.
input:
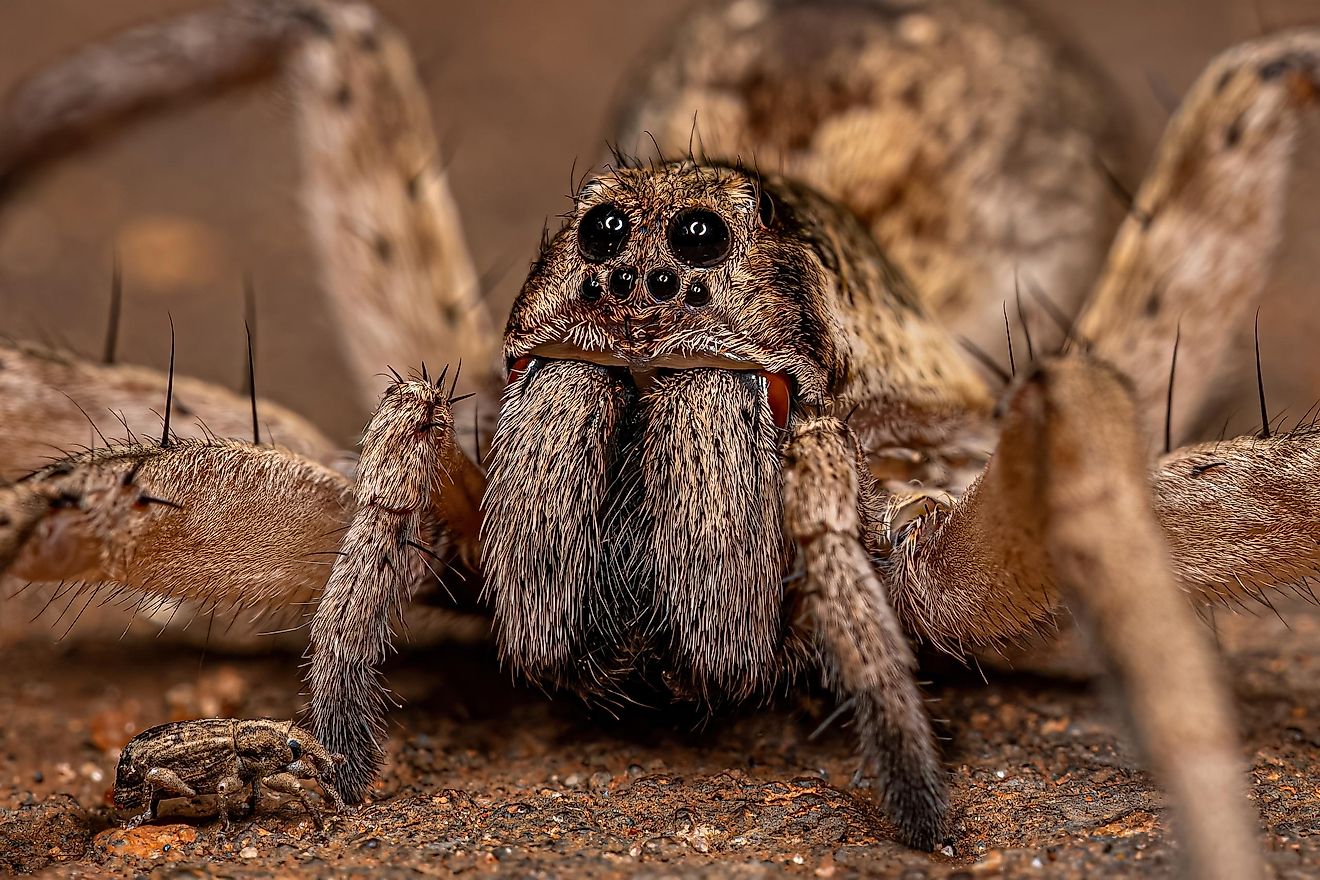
(681, 266)
(659, 352)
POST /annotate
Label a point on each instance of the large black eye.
(699, 237)
(602, 233)
(295, 747)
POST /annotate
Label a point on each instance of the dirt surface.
(485, 778)
(488, 779)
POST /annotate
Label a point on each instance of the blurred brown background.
(519, 88)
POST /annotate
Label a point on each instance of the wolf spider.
(735, 443)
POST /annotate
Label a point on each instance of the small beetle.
(220, 756)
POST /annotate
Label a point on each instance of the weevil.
(222, 757)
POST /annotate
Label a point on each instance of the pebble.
(148, 841)
(247, 852)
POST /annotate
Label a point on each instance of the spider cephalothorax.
(672, 323)
(684, 318)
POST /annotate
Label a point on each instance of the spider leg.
(1241, 515)
(411, 469)
(1065, 510)
(845, 603)
(1195, 252)
(393, 261)
(221, 523)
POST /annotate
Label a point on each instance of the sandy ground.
(491, 780)
(483, 777)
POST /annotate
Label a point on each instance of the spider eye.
(295, 747)
(602, 233)
(699, 237)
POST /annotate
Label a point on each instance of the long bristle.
(252, 384)
(116, 305)
(1168, 405)
(169, 392)
(1260, 385)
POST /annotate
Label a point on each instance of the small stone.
(247, 852)
(148, 841)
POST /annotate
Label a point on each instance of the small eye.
(697, 294)
(602, 233)
(295, 747)
(699, 237)
(591, 288)
(622, 281)
(662, 283)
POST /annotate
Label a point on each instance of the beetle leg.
(228, 792)
(161, 783)
(147, 815)
(327, 783)
(287, 783)
(867, 655)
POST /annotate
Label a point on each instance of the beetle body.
(220, 757)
